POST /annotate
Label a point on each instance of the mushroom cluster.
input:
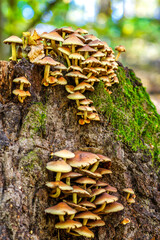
(87, 60)
(84, 197)
(21, 93)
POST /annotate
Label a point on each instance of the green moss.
(131, 113)
(35, 120)
(30, 161)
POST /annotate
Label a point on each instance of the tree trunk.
(47, 122)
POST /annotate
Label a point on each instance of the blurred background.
(132, 23)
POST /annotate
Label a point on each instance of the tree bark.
(47, 122)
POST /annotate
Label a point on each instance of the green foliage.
(130, 113)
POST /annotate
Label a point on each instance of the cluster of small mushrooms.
(81, 194)
(87, 60)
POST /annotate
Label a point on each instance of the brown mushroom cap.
(20, 93)
(69, 88)
(85, 180)
(87, 215)
(76, 96)
(105, 197)
(73, 40)
(96, 43)
(103, 171)
(113, 207)
(84, 231)
(76, 56)
(81, 31)
(80, 191)
(65, 50)
(53, 36)
(101, 184)
(87, 204)
(75, 68)
(22, 80)
(86, 102)
(71, 175)
(120, 48)
(98, 54)
(60, 209)
(90, 174)
(97, 191)
(76, 74)
(84, 86)
(77, 207)
(49, 61)
(51, 80)
(61, 185)
(103, 158)
(86, 48)
(125, 221)
(61, 67)
(64, 154)
(98, 223)
(59, 166)
(13, 39)
(131, 200)
(91, 60)
(69, 224)
(110, 189)
(128, 190)
(83, 159)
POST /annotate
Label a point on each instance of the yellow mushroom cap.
(113, 207)
(120, 48)
(22, 80)
(61, 185)
(128, 190)
(64, 154)
(125, 221)
(69, 224)
(13, 39)
(59, 166)
(105, 197)
(84, 231)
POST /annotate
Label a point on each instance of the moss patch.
(131, 113)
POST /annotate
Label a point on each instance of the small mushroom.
(87, 215)
(125, 221)
(13, 40)
(129, 191)
(120, 49)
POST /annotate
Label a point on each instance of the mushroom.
(21, 94)
(77, 191)
(130, 201)
(113, 207)
(73, 41)
(120, 49)
(13, 40)
(87, 215)
(86, 49)
(76, 96)
(26, 36)
(76, 75)
(110, 189)
(58, 184)
(85, 181)
(75, 57)
(60, 209)
(69, 224)
(70, 175)
(97, 223)
(103, 200)
(84, 231)
(129, 191)
(66, 52)
(53, 36)
(23, 81)
(125, 221)
(88, 204)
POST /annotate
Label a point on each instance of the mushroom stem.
(95, 166)
(128, 196)
(68, 181)
(14, 58)
(20, 99)
(119, 53)
(76, 81)
(85, 222)
(75, 198)
(89, 65)
(89, 75)
(21, 86)
(46, 71)
(56, 195)
(63, 34)
(58, 176)
(93, 198)
(102, 207)
(85, 117)
(61, 218)
(68, 61)
(76, 62)
(86, 55)
(54, 45)
(77, 101)
(73, 48)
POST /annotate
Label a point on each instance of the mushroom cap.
(76, 56)
(13, 39)
(76, 74)
(85, 180)
(104, 79)
(49, 61)
(84, 231)
(20, 93)
(64, 154)
(77, 35)
(53, 36)
(86, 48)
(98, 54)
(110, 189)
(81, 31)
(51, 80)
(22, 80)
(73, 40)
(101, 70)
(89, 69)
(86, 102)
(87, 215)
(91, 60)
(128, 190)
(103, 171)
(125, 221)
(71, 175)
(69, 88)
(69, 224)
(131, 200)
(97, 223)
(61, 67)
(101, 184)
(96, 43)
(77, 207)
(106, 63)
(105, 197)
(60, 209)
(75, 68)
(65, 50)
(103, 158)
(61, 81)
(90, 174)
(92, 79)
(56, 73)
(91, 115)
(59, 166)
(113, 207)
(61, 185)
(87, 204)
(85, 108)
(83, 159)
(97, 191)
(120, 48)
(76, 96)
(79, 191)
(66, 29)
(84, 86)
